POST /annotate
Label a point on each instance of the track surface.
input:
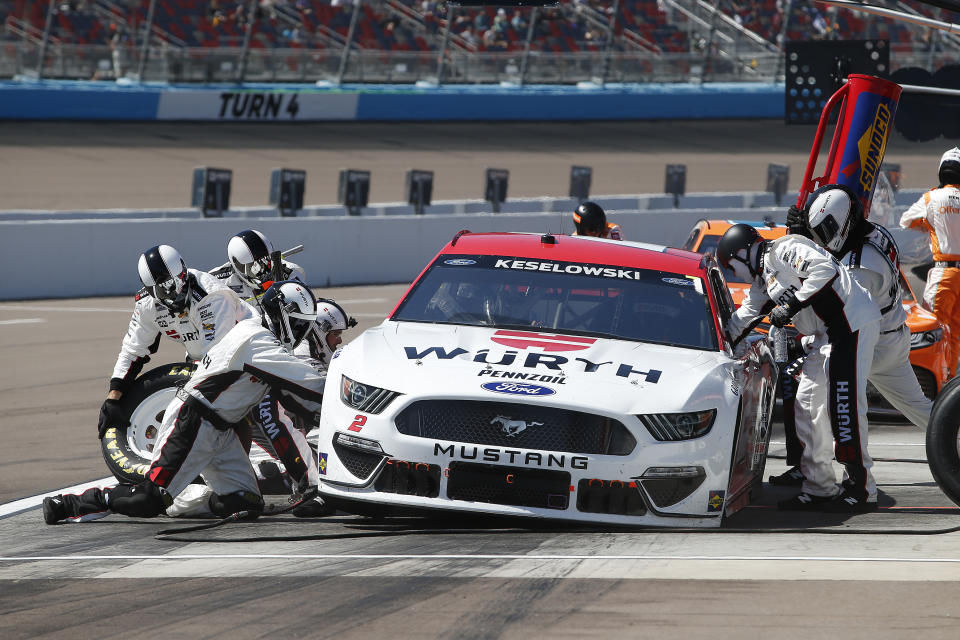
(414, 578)
(426, 582)
(144, 165)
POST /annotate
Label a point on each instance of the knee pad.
(223, 506)
(144, 500)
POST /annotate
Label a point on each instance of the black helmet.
(164, 274)
(735, 246)
(292, 311)
(590, 219)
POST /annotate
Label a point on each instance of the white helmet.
(330, 317)
(249, 252)
(291, 310)
(949, 169)
(833, 213)
(164, 273)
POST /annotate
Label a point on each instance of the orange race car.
(927, 344)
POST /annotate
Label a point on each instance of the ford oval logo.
(518, 388)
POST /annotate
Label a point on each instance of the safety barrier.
(73, 100)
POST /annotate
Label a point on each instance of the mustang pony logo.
(514, 428)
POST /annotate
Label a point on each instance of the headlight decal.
(673, 427)
(924, 339)
(365, 397)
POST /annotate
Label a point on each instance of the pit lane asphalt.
(112, 578)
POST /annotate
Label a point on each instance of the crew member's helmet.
(291, 311)
(833, 213)
(164, 274)
(249, 253)
(590, 219)
(949, 169)
(324, 336)
(739, 250)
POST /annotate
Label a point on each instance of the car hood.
(525, 366)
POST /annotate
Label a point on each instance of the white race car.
(552, 377)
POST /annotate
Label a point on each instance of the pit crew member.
(186, 305)
(938, 213)
(794, 279)
(198, 434)
(836, 222)
(250, 265)
(590, 220)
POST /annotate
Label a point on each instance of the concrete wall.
(73, 100)
(81, 257)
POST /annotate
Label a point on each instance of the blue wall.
(71, 100)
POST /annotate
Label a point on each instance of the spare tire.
(943, 440)
(128, 451)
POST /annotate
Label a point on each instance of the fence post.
(451, 14)
(526, 47)
(46, 36)
(247, 36)
(346, 46)
(145, 47)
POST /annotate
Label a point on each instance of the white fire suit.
(198, 436)
(875, 266)
(212, 310)
(938, 213)
(227, 276)
(831, 396)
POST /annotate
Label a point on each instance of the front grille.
(515, 486)
(516, 425)
(359, 463)
(409, 479)
(606, 496)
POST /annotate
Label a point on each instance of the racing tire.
(943, 440)
(128, 450)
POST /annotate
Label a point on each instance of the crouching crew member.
(197, 435)
(794, 279)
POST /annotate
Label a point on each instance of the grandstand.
(311, 39)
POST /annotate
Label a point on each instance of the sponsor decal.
(495, 454)
(872, 145)
(545, 341)
(459, 262)
(206, 314)
(682, 282)
(512, 427)
(842, 418)
(180, 370)
(518, 388)
(208, 326)
(322, 464)
(715, 501)
(267, 420)
(519, 375)
(534, 361)
(336, 354)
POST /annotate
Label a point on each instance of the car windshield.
(709, 246)
(626, 303)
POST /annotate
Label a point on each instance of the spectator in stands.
(518, 22)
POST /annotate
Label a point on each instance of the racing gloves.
(781, 314)
(797, 221)
(111, 415)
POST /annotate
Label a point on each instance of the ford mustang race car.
(557, 377)
(927, 342)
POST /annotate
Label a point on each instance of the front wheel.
(128, 451)
(943, 440)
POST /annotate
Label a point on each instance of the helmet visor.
(170, 292)
(826, 232)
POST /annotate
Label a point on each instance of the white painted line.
(25, 504)
(32, 307)
(465, 556)
(23, 321)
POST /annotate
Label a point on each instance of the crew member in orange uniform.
(938, 212)
(590, 220)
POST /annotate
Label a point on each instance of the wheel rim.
(145, 422)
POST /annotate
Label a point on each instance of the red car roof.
(574, 249)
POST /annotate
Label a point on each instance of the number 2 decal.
(357, 423)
